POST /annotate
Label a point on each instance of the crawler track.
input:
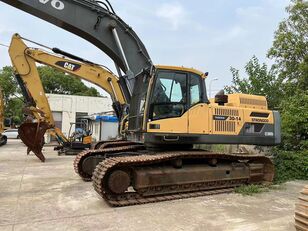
(123, 146)
(176, 191)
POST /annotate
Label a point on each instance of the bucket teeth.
(32, 135)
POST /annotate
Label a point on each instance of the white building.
(69, 109)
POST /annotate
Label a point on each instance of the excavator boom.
(97, 24)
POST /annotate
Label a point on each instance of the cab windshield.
(172, 96)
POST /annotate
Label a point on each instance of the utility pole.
(210, 86)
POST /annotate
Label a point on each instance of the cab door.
(198, 113)
(168, 108)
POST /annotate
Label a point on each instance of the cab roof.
(178, 68)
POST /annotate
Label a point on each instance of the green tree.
(290, 91)
(260, 81)
(8, 83)
(290, 54)
(12, 103)
(14, 110)
(290, 48)
(294, 112)
(57, 82)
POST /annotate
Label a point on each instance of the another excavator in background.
(39, 116)
(24, 59)
(166, 111)
(3, 138)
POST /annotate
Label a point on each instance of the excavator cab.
(175, 92)
(82, 132)
(78, 140)
(169, 96)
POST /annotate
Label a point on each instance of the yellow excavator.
(24, 60)
(3, 138)
(39, 116)
(165, 112)
(232, 116)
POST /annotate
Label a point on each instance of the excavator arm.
(96, 22)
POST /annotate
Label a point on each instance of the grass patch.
(249, 190)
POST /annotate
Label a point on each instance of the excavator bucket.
(32, 134)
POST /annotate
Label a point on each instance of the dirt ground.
(50, 196)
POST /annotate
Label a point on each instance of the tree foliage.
(286, 86)
(260, 81)
(290, 165)
(12, 104)
(13, 110)
(294, 112)
(290, 54)
(8, 83)
(290, 48)
(57, 82)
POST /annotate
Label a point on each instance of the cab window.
(195, 89)
(169, 98)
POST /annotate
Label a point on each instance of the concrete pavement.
(50, 196)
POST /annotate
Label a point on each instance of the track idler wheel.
(32, 135)
(119, 181)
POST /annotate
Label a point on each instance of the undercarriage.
(128, 174)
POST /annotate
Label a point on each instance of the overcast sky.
(205, 34)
